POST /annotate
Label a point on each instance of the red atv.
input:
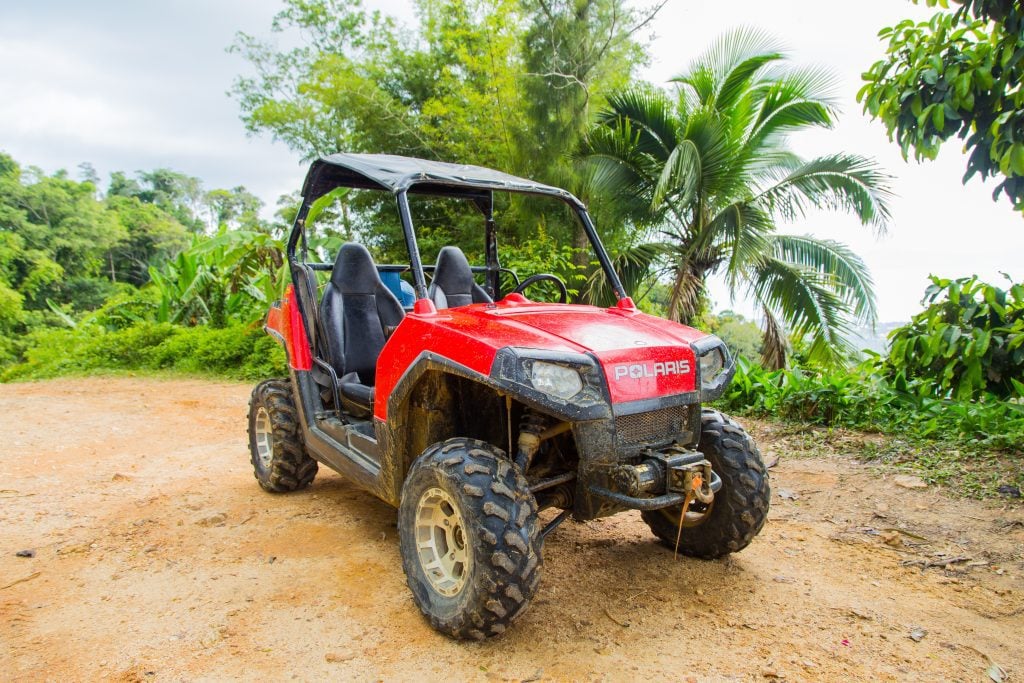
(471, 409)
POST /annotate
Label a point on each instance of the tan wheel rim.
(441, 543)
(693, 518)
(264, 433)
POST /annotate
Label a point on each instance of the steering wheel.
(563, 293)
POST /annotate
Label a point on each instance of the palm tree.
(708, 168)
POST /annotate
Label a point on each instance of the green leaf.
(64, 317)
(1017, 159)
(983, 337)
(916, 105)
(924, 116)
(323, 202)
(938, 117)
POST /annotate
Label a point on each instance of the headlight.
(711, 365)
(555, 380)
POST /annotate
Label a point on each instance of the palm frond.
(738, 81)
(803, 299)
(637, 267)
(614, 184)
(687, 293)
(699, 87)
(742, 230)
(792, 101)
(770, 164)
(778, 118)
(616, 144)
(718, 152)
(680, 176)
(651, 115)
(734, 48)
(847, 182)
(847, 271)
(816, 83)
(722, 75)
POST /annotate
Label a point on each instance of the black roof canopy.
(396, 174)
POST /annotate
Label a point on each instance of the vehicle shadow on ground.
(605, 577)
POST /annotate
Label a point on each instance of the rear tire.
(279, 459)
(469, 541)
(740, 507)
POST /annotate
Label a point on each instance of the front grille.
(653, 427)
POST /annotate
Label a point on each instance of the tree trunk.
(684, 303)
(773, 347)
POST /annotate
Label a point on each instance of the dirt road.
(157, 557)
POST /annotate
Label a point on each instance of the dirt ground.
(157, 557)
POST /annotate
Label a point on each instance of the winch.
(668, 471)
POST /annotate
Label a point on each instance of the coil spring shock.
(530, 428)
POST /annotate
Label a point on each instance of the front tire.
(278, 455)
(469, 540)
(740, 507)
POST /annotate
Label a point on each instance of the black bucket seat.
(358, 313)
(453, 283)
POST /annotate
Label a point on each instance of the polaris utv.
(471, 409)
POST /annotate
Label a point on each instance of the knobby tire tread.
(291, 468)
(506, 571)
(740, 508)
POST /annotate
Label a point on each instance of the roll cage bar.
(401, 176)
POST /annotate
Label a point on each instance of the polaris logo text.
(642, 370)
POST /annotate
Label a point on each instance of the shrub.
(127, 308)
(862, 398)
(543, 254)
(239, 351)
(969, 341)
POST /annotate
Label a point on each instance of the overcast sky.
(141, 85)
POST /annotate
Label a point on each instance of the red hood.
(642, 356)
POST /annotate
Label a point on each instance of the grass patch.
(971, 471)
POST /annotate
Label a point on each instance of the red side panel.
(286, 321)
(642, 356)
(448, 334)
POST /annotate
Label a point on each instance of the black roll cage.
(400, 176)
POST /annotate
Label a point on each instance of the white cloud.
(67, 100)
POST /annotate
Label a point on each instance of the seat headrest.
(354, 271)
(452, 272)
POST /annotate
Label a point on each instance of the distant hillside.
(874, 339)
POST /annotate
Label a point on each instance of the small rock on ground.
(909, 481)
(1009, 491)
(336, 657)
(217, 519)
